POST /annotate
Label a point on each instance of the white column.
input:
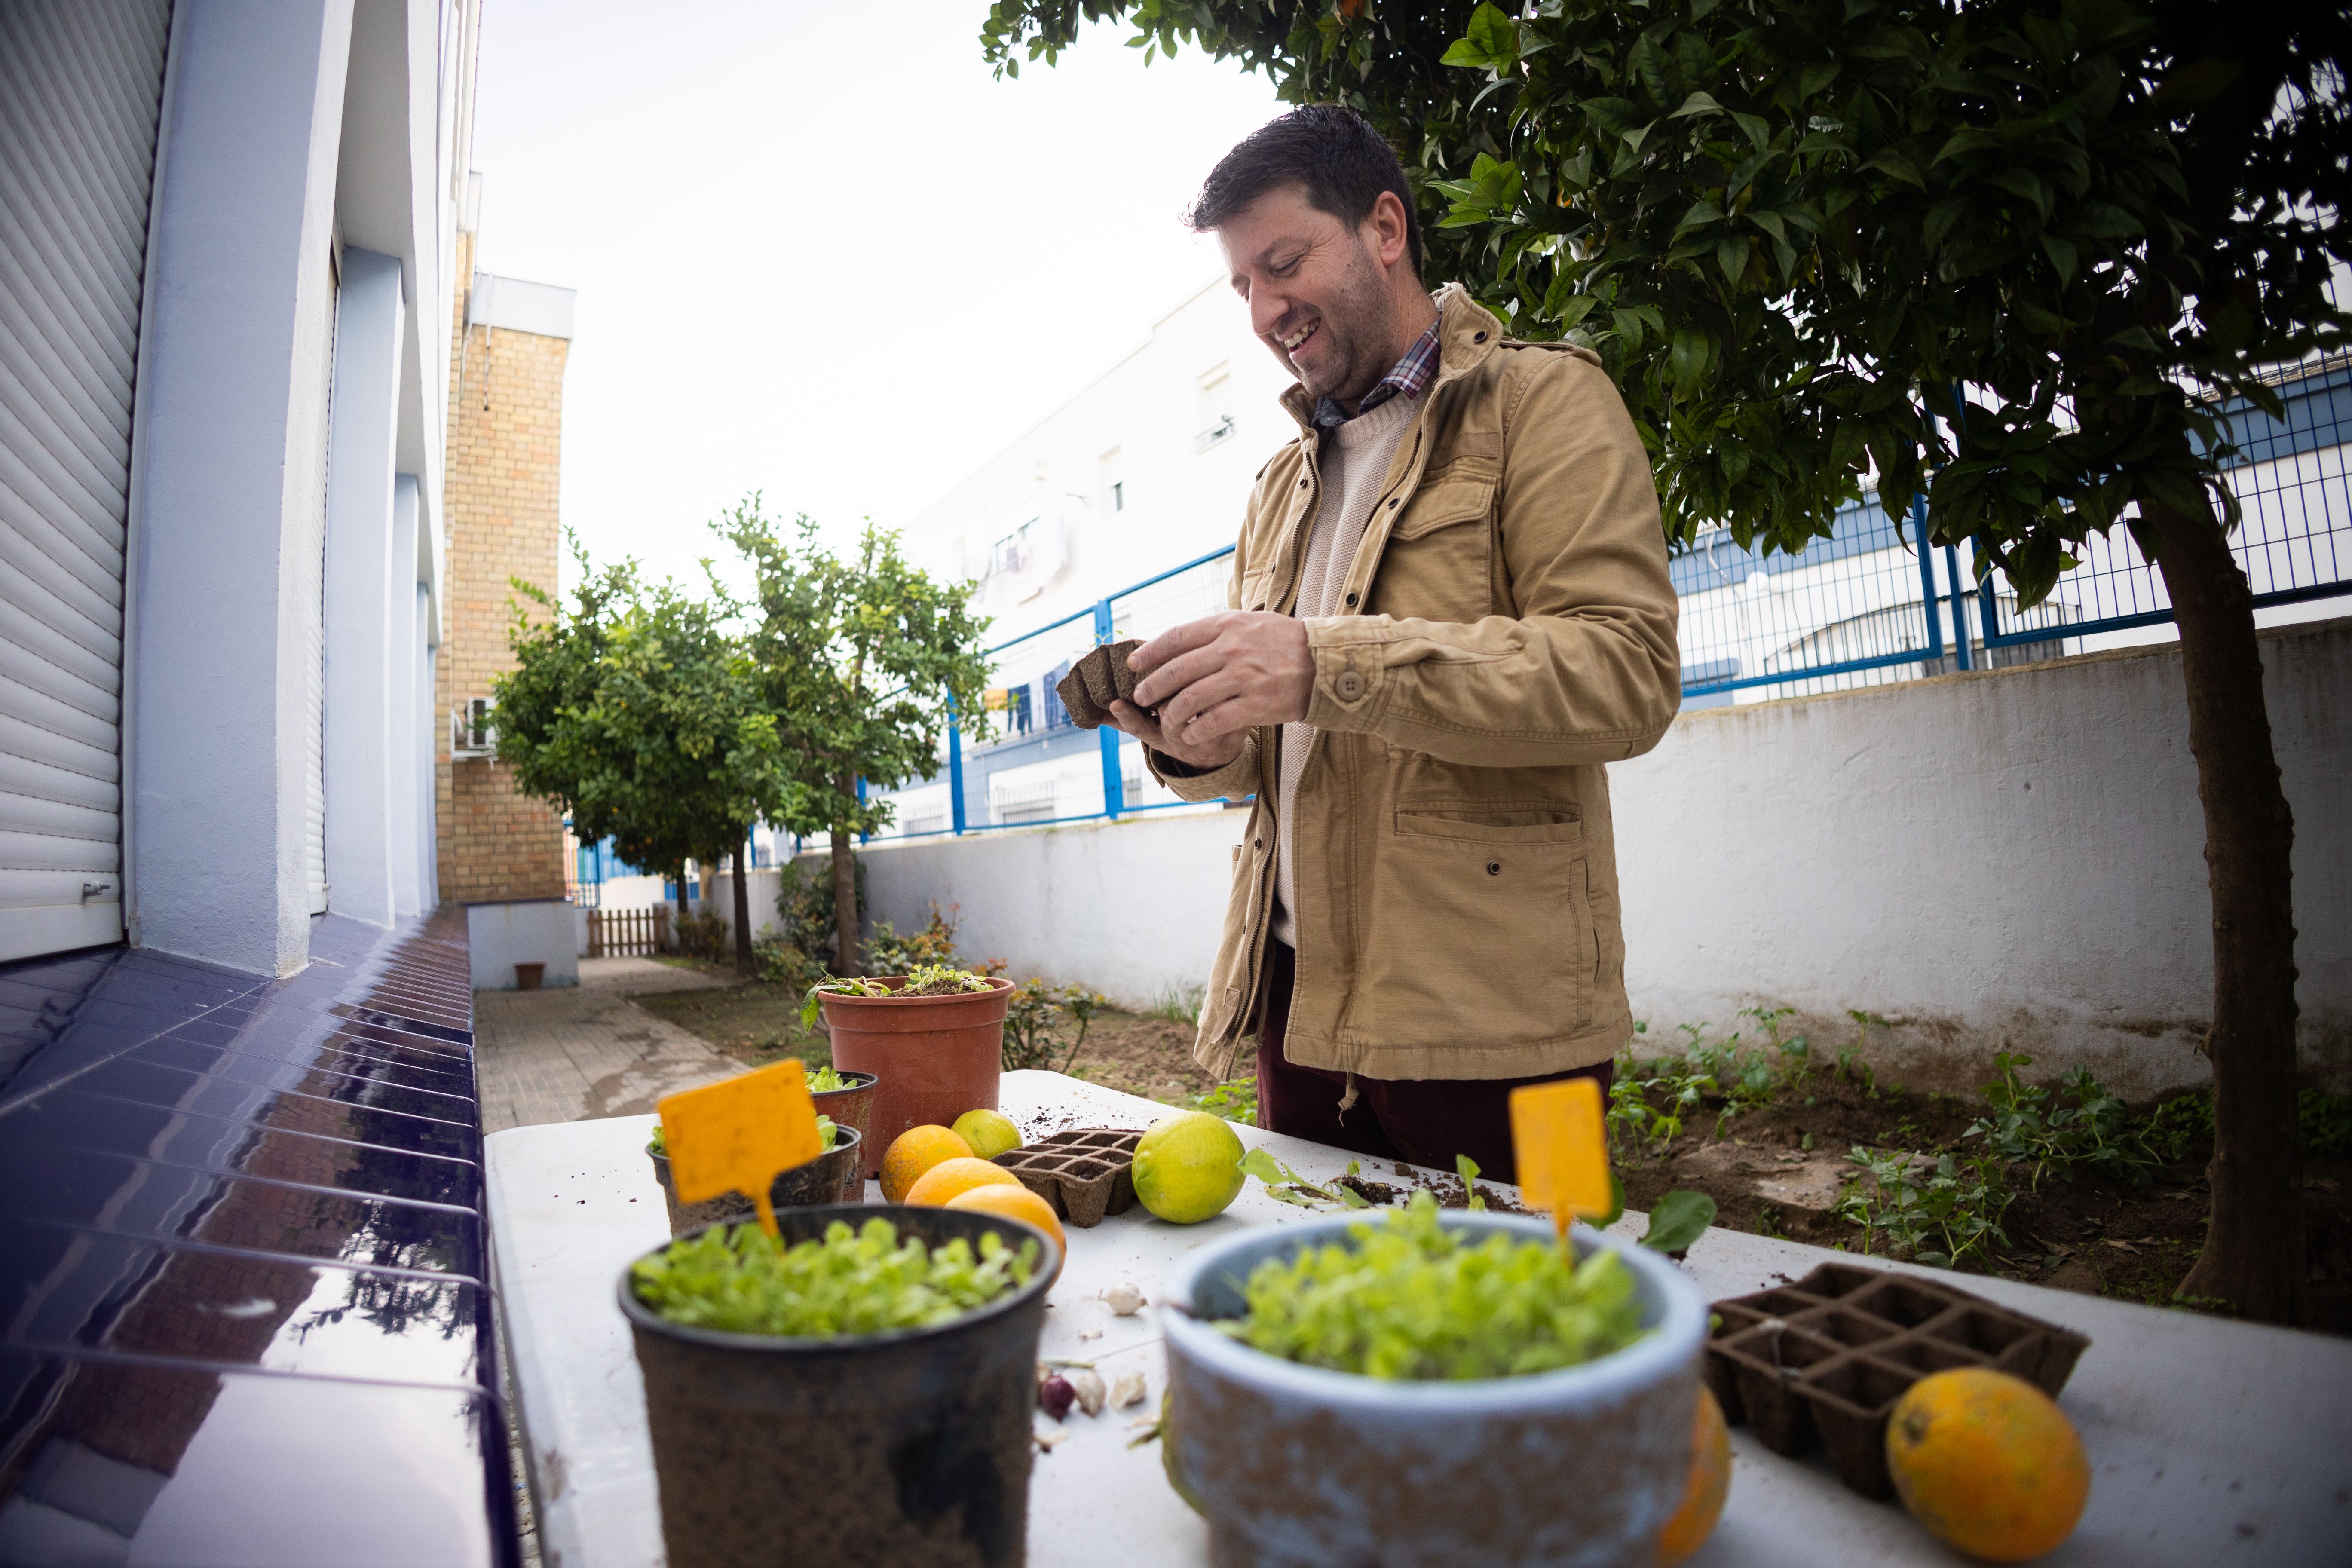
(243, 227)
(428, 723)
(360, 570)
(400, 594)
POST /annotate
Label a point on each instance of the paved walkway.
(587, 1051)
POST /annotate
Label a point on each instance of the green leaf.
(1697, 103)
(1895, 166)
(1687, 360)
(1616, 1202)
(1492, 42)
(1677, 1220)
(1259, 1164)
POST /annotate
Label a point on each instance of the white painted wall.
(2007, 858)
(287, 125)
(536, 931)
(1137, 425)
(362, 574)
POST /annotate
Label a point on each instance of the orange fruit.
(1017, 1202)
(914, 1151)
(1709, 1484)
(943, 1180)
(1989, 1463)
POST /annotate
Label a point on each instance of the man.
(1451, 608)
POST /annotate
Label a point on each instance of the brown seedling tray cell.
(1767, 1360)
(1842, 1344)
(1098, 680)
(1849, 1402)
(1833, 1280)
(1086, 1172)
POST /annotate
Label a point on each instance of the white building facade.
(226, 283)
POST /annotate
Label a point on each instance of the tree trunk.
(684, 910)
(2254, 1259)
(846, 958)
(743, 964)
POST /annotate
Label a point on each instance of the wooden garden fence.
(619, 933)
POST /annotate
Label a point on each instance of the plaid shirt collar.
(1410, 377)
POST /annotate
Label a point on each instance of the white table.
(2210, 1441)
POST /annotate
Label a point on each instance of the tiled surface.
(587, 1051)
(243, 1310)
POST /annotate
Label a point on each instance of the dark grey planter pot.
(894, 1451)
(833, 1177)
(1297, 1465)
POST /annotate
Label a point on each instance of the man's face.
(1318, 296)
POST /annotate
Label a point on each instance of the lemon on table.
(1188, 1167)
(1988, 1462)
(990, 1132)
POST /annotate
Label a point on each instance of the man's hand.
(1215, 679)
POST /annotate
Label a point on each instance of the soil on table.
(2095, 1233)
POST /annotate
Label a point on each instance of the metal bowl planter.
(833, 1177)
(1297, 1465)
(907, 1449)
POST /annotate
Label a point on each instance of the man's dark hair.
(1330, 149)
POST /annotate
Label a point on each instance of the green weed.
(1951, 1213)
(1235, 1100)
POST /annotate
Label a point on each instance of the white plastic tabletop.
(2210, 1441)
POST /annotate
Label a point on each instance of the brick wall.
(506, 427)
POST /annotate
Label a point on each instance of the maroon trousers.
(1422, 1121)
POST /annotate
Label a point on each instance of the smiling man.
(1451, 608)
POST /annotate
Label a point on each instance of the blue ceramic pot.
(1297, 1465)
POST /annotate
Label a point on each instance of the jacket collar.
(1467, 333)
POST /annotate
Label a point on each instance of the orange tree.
(2015, 253)
(864, 661)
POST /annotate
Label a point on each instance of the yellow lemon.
(1188, 1167)
(990, 1132)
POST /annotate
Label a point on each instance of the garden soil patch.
(2097, 1234)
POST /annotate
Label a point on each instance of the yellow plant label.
(737, 1135)
(1563, 1160)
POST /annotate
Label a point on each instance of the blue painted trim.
(1814, 673)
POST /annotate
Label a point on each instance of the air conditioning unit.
(473, 729)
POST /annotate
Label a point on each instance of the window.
(1215, 410)
(1118, 494)
(1010, 555)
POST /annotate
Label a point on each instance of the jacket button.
(1351, 685)
(1477, 337)
(1494, 868)
(1392, 504)
(1352, 601)
(1302, 484)
(1257, 843)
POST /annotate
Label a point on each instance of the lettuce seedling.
(1413, 1299)
(827, 1134)
(740, 1280)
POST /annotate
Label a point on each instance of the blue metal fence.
(1871, 604)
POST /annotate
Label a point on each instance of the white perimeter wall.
(2009, 857)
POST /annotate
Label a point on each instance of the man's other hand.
(1214, 680)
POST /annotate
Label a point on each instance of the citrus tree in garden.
(2015, 254)
(864, 661)
(638, 714)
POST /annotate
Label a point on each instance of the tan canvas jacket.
(1512, 628)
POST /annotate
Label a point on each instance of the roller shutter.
(81, 85)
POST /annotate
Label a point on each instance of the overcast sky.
(820, 251)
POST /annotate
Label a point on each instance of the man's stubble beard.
(1356, 322)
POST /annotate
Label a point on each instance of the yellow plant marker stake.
(737, 1135)
(1556, 1136)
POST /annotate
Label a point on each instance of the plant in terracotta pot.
(848, 1099)
(1407, 1392)
(880, 1377)
(934, 1037)
(834, 1176)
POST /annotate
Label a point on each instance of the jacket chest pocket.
(1439, 559)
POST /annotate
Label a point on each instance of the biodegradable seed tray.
(1098, 680)
(1826, 1358)
(1086, 1172)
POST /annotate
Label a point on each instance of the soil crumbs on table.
(1781, 1170)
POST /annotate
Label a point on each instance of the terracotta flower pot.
(936, 1057)
(529, 976)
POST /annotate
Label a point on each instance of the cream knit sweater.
(1355, 464)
